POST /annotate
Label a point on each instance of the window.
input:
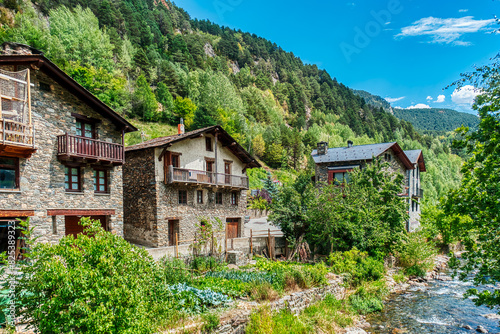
(101, 181)
(176, 160)
(84, 129)
(208, 144)
(183, 197)
(45, 87)
(340, 175)
(72, 179)
(387, 157)
(9, 173)
(218, 198)
(199, 196)
(234, 199)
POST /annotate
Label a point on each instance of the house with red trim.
(332, 165)
(61, 149)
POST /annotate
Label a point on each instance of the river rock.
(467, 327)
(481, 329)
(492, 316)
(355, 330)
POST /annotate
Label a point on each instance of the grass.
(151, 130)
(325, 316)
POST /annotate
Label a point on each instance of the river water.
(436, 308)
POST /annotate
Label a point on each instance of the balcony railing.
(418, 192)
(69, 146)
(16, 133)
(182, 175)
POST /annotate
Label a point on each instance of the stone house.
(61, 149)
(170, 183)
(332, 165)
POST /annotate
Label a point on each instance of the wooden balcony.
(16, 139)
(199, 177)
(88, 150)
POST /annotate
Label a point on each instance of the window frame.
(16, 170)
(234, 198)
(177, 157)
(199, 196)
(70, 178)
(182, 197)
(219, 198)
(208, 144)
(97, 178)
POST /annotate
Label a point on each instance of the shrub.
(94, 283)
(211, 322)
(368, 298)
(175, 271)
(358, 266)
(202, 264)
(417, 255)
(263, 291)
(264, 321)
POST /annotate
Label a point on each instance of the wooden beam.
(80, 212)
(164, 152)
(17, 213)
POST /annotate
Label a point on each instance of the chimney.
(322, 147)
(349, 143)
(180, 127)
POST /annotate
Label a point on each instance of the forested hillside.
(437, 120)
(154, 64)
(374, 100)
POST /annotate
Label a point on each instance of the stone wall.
(140, 198)
(42, 175)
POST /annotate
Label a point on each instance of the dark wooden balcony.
(199, 177)
(88, 150)
(17, 139)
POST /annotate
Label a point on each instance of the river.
(438, 307)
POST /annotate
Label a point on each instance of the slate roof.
(223, 136)
(360, 152)
(416, 157)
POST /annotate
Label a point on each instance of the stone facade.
(151, 203)
(42, 176)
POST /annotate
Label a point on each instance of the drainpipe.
(216, 162)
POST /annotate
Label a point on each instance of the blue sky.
(405, 51)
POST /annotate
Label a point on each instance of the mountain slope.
(374, 100)
(435, 119)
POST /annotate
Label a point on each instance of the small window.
(176, 161)
(101, 181)
(44, 86)
(208, 144)
(72, 179)
(234, 199)
(218, 198)
(183, 198)
(199, 196)
(387, 157)
(84, 129)
(9, 173)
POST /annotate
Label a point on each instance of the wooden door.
(232, 227)
(72, 226)
(172, 229)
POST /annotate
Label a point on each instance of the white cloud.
(394, 99)
(429, 98)
(465, 95)
(419, 106)
(463, 10)
(440, 99)
(445, 31)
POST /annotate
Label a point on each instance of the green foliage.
(477, 196)
(209, 263)
(366, 213)
(165, 98)
(438, 120)
(96, 282)
(211, 322)
(185, 108)
(357, 266)
(145, 105)
(284, 322)
(416, 254)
